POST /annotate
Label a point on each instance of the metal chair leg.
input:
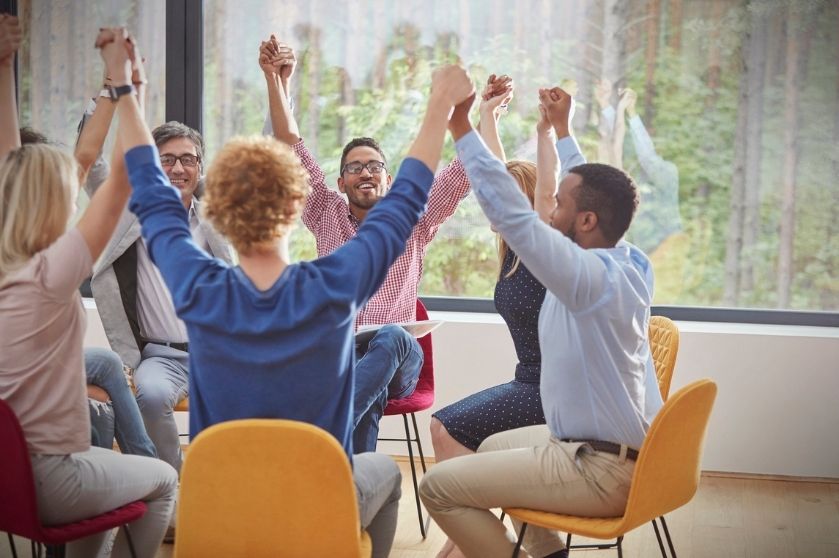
(518, 542)
(620, 546)
(414, 475)
(419, 442)
(667, 535)
(658, 538)
(568, 542)
(130, 541)
(12, 545)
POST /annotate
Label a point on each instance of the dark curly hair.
(360, 142)
(610, 193)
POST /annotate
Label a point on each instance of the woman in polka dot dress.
(459, 428)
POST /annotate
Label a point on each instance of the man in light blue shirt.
(595, 356)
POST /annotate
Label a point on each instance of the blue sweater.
(286, 352)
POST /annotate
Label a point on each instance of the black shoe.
(558, 554)
(169, 537)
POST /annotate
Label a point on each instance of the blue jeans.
(387, 367)
(103, 368)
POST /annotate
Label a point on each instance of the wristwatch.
(116, 92)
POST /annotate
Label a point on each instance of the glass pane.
(60, 70)
(733, 139)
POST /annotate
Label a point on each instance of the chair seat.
(183, 405)
(60, 534)
(365, 544)
(594, 527)
(420, 400)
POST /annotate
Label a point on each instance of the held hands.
(496, 95)
(452, 86)
(628, 98)
(11, 36)
(117, 50)
(276, 57)
(559, 108)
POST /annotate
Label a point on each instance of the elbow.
(86, 158)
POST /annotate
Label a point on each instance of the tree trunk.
(614, 46)
(756, 71)
(674, 23)
(650, 57)
(734, 239)
(788, 174)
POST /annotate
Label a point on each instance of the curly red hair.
(255, 190)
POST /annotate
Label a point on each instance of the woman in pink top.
(42, 320)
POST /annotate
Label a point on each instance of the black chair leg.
(518, 542)
(620, 546)
(130, 541)
(12, 545)
(414, 475)
(667, 535)
(568, 542)
(658, 538)
(419, 442)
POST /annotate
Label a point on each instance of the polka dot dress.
(515, 404)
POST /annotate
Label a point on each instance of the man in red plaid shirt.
(388, 365)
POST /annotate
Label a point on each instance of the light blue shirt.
(593, 322)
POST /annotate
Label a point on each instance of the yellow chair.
(262, 487)
(664, 345)
(666, 473)
(183, 404)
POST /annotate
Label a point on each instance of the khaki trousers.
(527, 468)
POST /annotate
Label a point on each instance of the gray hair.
(174, 130)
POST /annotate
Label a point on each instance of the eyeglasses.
(186, 160)
(356, 167)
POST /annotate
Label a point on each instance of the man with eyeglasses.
(134, 304)
(388, 365)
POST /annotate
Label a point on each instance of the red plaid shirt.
(328, 216)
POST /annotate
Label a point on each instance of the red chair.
(18, 503)
(420, 400)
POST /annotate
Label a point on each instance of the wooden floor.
(728, 518)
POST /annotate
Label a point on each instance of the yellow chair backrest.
(263, 487)
(668, 467)
(664, 345)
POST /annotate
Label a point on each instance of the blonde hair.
(255, 190)
(38, 188)
(525, 174)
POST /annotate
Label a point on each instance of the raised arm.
(547, 161)
(574, 275)
(661, 172)
(277, 62)
(627, 98)
(384, 231)
(11, 36)
(495, 97)
(605, 127)
(106, 206)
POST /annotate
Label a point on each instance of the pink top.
(328, 216)
(42, 325)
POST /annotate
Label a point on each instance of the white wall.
(776, 411)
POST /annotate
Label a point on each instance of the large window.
(733, 142)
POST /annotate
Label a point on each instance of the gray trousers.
(378, 487)
(525, 468)
(81, 485)
(162, 379)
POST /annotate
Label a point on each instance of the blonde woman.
(42, 264)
